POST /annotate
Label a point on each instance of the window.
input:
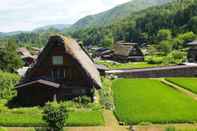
(58, 74)
(57, 60)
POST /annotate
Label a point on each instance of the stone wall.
(171, 71)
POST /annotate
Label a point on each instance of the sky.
(25, 15)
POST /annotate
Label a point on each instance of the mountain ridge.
(119, 12)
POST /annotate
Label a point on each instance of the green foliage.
(152, 25)
(166, 46)
(106, 98)
(9, 59)
(187, 83)
(152, 50)
(122, 11)
(55, 116)
(7, 84)
(84, 100)
(154, 59)
(139, 100)
(164, 34)
(192, 25)
(175, 57)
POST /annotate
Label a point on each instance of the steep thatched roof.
(24, 52)
(123, 49)
(74, 50)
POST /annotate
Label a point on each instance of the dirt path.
(110, 119)
(186, 92)
(97, 129)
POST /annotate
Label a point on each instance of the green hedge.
(7, 84)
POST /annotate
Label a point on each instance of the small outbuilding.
(192, 52)
(126, 52)
(62, 71)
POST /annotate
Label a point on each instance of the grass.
(187, 83)
(135, 65)
(148, 100)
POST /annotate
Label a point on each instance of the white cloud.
(29, 14)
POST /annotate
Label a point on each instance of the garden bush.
(175, 57)
(55, 115)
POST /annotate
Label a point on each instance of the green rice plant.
(32, 117)
(3, 129)
(89, 118)
(187, 83)
(139, 100)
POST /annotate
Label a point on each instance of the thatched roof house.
(62, 71)
(26, 56)
(192, 52)
(127, 52)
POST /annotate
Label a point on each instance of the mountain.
(118, 12)
(179, 17)
(58, 27)
(4, 34)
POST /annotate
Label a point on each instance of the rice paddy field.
(187, 83)
(148, 100)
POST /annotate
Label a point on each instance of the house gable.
(69, 72)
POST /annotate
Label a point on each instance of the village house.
(62, 71)
(127, 52)
(192, 52)
(26, 56)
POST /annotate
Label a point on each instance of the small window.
(57, 60)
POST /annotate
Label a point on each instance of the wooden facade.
(62, 71)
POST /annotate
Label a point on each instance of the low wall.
(169, 71)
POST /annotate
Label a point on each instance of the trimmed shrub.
(55, 116)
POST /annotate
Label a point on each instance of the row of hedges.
(7, 84)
